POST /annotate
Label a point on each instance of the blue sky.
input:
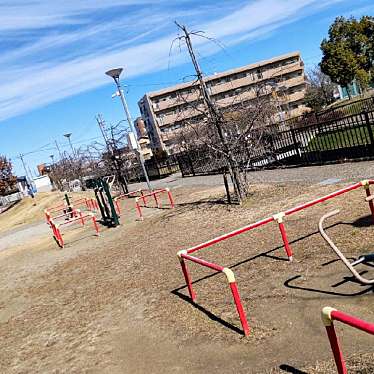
(55, 53)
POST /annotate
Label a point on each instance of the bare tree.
(320, 91)
(230, 132)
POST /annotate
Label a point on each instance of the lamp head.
(114, 73)
(67, 135)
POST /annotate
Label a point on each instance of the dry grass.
(119, 304)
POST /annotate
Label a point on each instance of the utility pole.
(58, 148)
(215, 116)
(112, 150)
(24, 166)
(213, 111)
(101, 124)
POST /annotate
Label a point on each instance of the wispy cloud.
(53, 51)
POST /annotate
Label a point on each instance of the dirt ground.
(118, 303)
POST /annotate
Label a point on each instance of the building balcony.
(228, 86)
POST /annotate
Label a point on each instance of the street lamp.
(71, 146)
(115, 73)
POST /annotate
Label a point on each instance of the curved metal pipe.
(337, 251)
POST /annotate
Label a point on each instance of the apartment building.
(167, 111)
(143, 138)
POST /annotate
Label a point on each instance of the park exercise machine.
(328, 316)
(104, 199)
(363, 259)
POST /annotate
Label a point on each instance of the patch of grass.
(340, 139)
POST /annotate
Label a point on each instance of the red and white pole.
(143, 197)
(138, 208)
(238, 303)
(80, 216)
(328, 315)
(47, 216)
(156, 199)
(279, 218)
(118, 208)
(95, 225)
(170, 197)
(186, 275)
(366, 185)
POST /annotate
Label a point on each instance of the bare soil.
(118, 303)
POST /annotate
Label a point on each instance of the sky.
(55, 53)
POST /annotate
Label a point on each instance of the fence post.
(370, 131)
(226, 186)
(191, 163)
(295, 144)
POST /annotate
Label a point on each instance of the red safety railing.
(155, 194)
(279, 218)
(80, 217)
(68, 211)
(328, 316)
(128, 195)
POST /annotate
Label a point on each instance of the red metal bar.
(230, 234)
(143, 197)
(353, 321)
(331, 314)
(371, 204)
(322, 199)
(170, 199)
(285, 241)
(117, 206)
(75, 219)
(156, 200)
(81, 218)
(270, 219)
(47, 216)
(336, 350)
(155, 191)
(203, 262)
(187, 279)
(57, 234)
(232, 284)
(239, 307)
(139, 210)
(95, 225)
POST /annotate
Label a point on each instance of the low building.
(43, 183)
(166, 111)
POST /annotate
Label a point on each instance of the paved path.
(22, 234)
(326, 174)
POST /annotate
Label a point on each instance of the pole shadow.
(291, 369)
(288, 284)
(208, 313)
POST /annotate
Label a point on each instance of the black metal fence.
(155, 169)
(333, 113)
(338, 139)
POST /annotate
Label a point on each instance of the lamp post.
(115, 73)
(71, 146)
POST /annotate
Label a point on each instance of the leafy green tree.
(320, 90)
(349, 51)
(7, 179)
